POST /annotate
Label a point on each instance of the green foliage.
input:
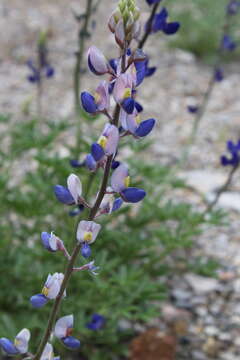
(202, 24)
(132, 249)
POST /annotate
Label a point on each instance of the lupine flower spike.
(63, 330)
(97, 322)
(20, 344)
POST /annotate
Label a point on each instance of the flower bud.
(96, 61)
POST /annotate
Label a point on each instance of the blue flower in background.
(218, 74)
(97, 322)
(228, 43)
(151, 2)
(160, 23)
(234, 151)
(233, 7)
(41, 68)
(192, 109)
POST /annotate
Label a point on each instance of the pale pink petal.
(62, 325)
(118, 178)
(104, 100)
(97, 60)
(21, 341)
(47, 352)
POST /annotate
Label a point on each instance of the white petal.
(95, 229)
(53, 241)
(21, 340)
(62, 325)
(74, 186)
(47, 352)
(55, 285)
(83, 226)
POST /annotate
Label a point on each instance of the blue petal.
(150, 71)
(192, 109)
(150, 2)
(38, 300)
(138, 107)
(63, 195)
(76, 211)
(171, 28)
(159, 20)
(97, 322)
(8, 346)
(232, 7)
(71, 342)
(45, 236)
(115, 164)
(97, 151)
(113, 63)
(117, 204)
(75, 163)
(90, 162)
(228, 43)
(140, 71)
(218, 74)
(88, 102)
(145, 127)
(133, 195)
(86, 250)
(128, 105)
(49, 71)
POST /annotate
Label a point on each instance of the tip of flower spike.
(145, 127)
(88, 102)
(63, 195)
(97, 152)
(38, 300)
(71, 342)
(8, 346)
(133, 195)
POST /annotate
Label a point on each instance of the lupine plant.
(114, 190)
(40, 68)
(226, 44)
(226, 161)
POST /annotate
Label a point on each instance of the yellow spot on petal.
(127, 93)
(17, 342)
(97, 97)
(102, 141)
(87, 236)
(138, 119)
(127, 181)
(45, 291)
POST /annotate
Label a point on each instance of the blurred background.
(169, 276)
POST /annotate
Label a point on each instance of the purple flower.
(218, 74)
(63, 330)
(133, 124)
(20, 344)
(98, 103)
(228, 43)
(71, 194)
(97, 62)
(193, 109)
(88, 103)
(90, 162)
(108, 140)
(97, 322)
(232, 7)
(51, 242)
(50, 290)
(87, 231)
(234, 151)
(120, 184)
(160, 23)
(48, 353)
(37, 71)
(76, 164)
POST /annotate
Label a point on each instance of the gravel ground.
(211, 306)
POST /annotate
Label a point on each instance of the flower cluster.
(41, 68)
(234, 150)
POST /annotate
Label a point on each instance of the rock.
(211, 347)
(205, 181)
(201, 284)
(230, 201)
(153, 345)
(211, 330)
(198, 355)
